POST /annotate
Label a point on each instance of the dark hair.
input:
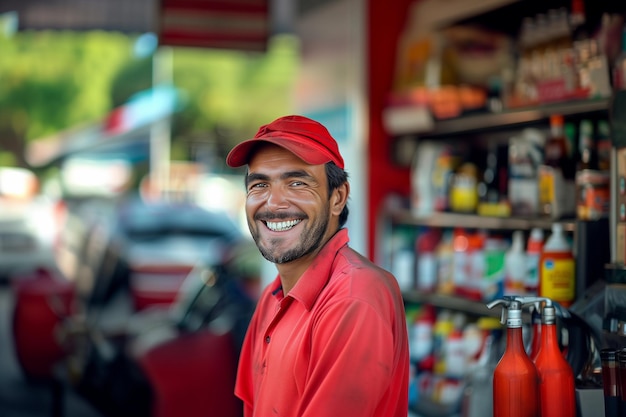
(336, 177)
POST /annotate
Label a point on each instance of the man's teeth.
(281, 226)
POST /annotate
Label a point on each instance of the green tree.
(55, 80)
(52, 81)
(229, 94)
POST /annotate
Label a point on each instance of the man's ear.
(339, 198)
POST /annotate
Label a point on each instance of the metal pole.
(160, 132)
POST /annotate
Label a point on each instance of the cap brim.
(240, 154)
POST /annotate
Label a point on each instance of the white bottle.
(533, 254)
(515, 265)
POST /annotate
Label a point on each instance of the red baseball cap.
(307, 139)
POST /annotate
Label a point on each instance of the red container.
(515, 380)
(42, 302)
(557, 392)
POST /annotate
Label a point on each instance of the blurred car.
(28, 224)
(167, 361)
(144, 250)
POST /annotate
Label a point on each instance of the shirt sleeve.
(244, 383)
(352, 360)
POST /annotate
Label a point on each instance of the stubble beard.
(309, 241)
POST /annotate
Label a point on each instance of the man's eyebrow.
(256, 177)
(285, 175)
(295, 174)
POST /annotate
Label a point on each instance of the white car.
(28, 225)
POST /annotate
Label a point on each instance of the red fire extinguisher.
(556, 377)
(515, 379)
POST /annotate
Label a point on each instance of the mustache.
(278, 216)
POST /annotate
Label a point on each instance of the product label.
(493, 283)
(558, 279)
(532, 275)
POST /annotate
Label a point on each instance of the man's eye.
(297, 183)
(257, 185)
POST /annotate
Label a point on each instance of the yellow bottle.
(557, 269)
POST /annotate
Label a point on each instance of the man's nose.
(277, 198)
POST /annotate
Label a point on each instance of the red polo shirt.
(336, 345)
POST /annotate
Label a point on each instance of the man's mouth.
(281, 226)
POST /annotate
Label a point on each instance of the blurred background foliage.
(51, 81)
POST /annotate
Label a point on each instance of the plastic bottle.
(557, 268)
(461, 264)
(515, 266)
(425, 248)
(556, 174)
(515, 379)
(455, 355)
(444, 326)
(587, 147)
(556, 146)
(534, 246)
(421, 346)
(478, 392)
(445, 263)
(556, 378)
(493, 280)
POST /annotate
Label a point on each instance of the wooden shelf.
(398, 124)
(474, 221)
(451, 302)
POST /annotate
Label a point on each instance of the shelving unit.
(407, 125)
(396, 226)
(451, 302)
(481, 122)
(474, 221)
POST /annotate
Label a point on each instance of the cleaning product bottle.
(478, 392)
(425, 249)
(556, 378)
(515, 379)
(534, 246)
(557, 269)
(444, 325)
(421, 342)
(515, 266)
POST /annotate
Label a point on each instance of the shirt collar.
(317, 274)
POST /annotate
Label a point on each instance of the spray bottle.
(556, 378)
(515, 379)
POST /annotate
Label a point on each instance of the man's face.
(287, 205)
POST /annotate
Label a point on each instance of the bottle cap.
(535, 240)
(548, 315)
(556, 119)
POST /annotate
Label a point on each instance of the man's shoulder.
(351, 259)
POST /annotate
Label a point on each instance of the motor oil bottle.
(557, 268)
(515, 265)
(556, 378)
(515, 379)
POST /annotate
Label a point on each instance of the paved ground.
(18, 397)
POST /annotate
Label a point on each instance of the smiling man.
(328, 337)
